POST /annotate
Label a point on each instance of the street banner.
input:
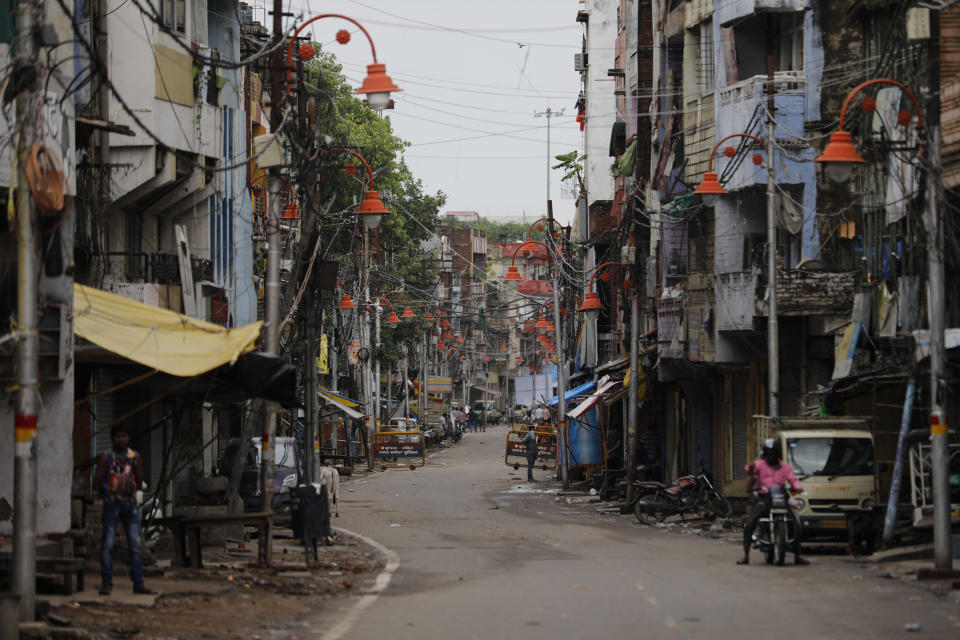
(323, 365)
(353, 352)
(439, 384)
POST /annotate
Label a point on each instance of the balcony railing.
(801, 293)
(670, 327)
(729, 10)
(737, 103)
(736, 300)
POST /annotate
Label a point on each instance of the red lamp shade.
(840, 156)
(463, 356)
(503, 347)
(408, 313)
(460, 339)
(513, 275)
(346, 303)
(429, 317)
(519, 359)
(591, 306)
(541, 324)
(392, 318)
(710, 189)
(543, 338)
(377, 85)
(372, 210)
(486, 358)
(441, 346)
(551, 328)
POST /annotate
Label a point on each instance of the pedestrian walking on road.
(530, 440)
(119, 474)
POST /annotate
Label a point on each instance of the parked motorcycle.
(458, 432)
(773, 533)
(689, 494)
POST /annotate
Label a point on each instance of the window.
(173, 15)
(791, 42)
(707, 71)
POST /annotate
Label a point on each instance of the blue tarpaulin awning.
(585, 388)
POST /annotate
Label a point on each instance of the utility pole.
(367, 392)
(27, 396)
(939, 431)
(561, 354)
(773, 338)
(548, 114)
(377, 311)
(272, 289)
(631, 439)
(310, 403)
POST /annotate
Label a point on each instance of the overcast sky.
(470, 92)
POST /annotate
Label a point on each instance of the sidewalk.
(230, 597)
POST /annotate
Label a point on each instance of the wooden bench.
(187, 531)
(70, 569)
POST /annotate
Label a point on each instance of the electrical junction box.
(269, 151)
(579, 62)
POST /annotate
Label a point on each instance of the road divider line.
(340, 629)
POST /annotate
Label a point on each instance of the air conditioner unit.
(579, 62)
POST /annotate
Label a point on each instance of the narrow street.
(484, 555)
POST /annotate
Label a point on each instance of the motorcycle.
(773, 534)
(693, 493)
(458, 432)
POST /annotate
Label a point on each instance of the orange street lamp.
(710, 189)
(377, 85)
(592, 306)
(840, 156)
(372, 209)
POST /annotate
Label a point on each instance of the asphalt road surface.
(483, 554)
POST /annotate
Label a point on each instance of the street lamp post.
(591, 308)
(513, 276)
(839, 158)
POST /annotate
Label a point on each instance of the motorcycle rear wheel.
(780, 542)
(648, 513)
(720, 506)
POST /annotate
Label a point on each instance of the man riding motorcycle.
(769, 471)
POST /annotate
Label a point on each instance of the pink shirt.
(766, 476)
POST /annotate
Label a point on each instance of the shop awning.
(607, 387)
(157, 338)
(583, 389)
(487, 390)
(345, 404)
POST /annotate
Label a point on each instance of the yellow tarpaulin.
(158, 338)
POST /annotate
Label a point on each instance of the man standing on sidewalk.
(530, 440)
(119, 474)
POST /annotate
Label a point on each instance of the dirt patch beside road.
(227, 600)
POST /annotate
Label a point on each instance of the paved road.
(484, 555)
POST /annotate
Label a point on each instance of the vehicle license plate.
(833, 524)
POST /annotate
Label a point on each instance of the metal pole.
(891, 515)
(377, 309)
(632, 409)
(367, 392)
(309, 402)
(272, 338)
(939, 434)
(561, 382)
(773, 354)
(24, 556)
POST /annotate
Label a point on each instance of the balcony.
(728, 11)
(801, 293)
(670, 327)
(737, 103)
(736, 296)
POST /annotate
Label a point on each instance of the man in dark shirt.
(530, 440)
(119, 475)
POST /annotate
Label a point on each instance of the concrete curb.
(383, 580)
